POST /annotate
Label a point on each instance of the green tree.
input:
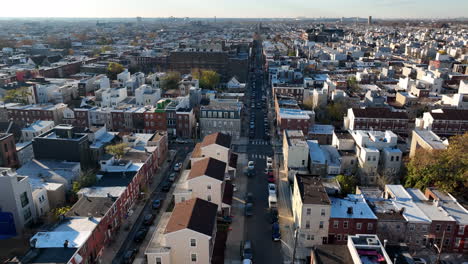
(118, 150)
(114, 68)
(171, 81)
(445, 169)
(60, 211)
(353, 85)
(19, 95)
(347, 183)
(86, 179)
(208, 79)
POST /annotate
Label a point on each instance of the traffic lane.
(258, 227)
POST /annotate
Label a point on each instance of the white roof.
(76, 230)
(430, 209)
(398, 191)
(339, 207)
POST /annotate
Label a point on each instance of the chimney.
(350, 210)
(65, 244)
(402, 210)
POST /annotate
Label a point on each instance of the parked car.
(275, 232)
(249, 198)
(272, 188)
(248, 209)
(269, 162)
(224, 219)
(271, 179)
(177, 166)
(140, 235)
(156, 204)
(129, 256)
(273, 215)
(172, 177)
(419, 261)
(246, 250)
(166, 186)
(251, 165)
(247, 261)
(180, 141)
(149, 219)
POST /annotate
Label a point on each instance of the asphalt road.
(182, 151)
(257, 227)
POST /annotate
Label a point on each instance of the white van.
(272, 201)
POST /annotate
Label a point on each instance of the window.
(397, 158)
(208, 198)
(322, 212)
(307, 226)
(446, 242)
(449, 228)
(27, 214)
(193, 242)
(411, 227)
(208, 187)
(391, 158)
(345, 237)
(437, 228)
(338, 237)
(457, 242)
(193, 257)
(321, 225)
(370, 226)
(461, 230)
(345, 224)
(308, 211)
(335, 224)
(424, 228)
(24, 199)
(310, 237)
(358, 226)
(158, 260)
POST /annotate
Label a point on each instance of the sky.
(236, 8)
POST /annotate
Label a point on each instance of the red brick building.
(8, 155)
(374, 118)
(350, 216)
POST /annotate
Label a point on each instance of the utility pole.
(295, 244)
(439, 250)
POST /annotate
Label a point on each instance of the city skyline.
(382, 9)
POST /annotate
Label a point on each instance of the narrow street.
(258, 227)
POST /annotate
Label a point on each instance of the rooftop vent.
(350, 210)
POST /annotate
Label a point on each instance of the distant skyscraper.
(369, 20)
(138, 19)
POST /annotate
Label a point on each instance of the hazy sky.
(235, 8)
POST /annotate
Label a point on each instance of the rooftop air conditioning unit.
(372, 241)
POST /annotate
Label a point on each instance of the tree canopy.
(208, 79)
(333, 112)
(171, 81)
(347, 183)
(445, 169)
(115, 68)
(19, 95)
(118, 150)
(86, 179)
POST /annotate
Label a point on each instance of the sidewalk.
(111, 250)
(236, 233)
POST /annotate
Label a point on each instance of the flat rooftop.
(311, 189)
(360, 209)
(431, 138)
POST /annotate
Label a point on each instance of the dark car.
(246, 250)
(250, 173)
(249, 198)
(129, 256)
(275, 232)
(224, 219)
(248, 209)
(149, 218)
(273, 215)
(156, 204)
(140, 235)
(271, 179)
(166, 186)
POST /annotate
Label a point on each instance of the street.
(258, 227)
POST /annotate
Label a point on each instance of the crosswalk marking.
(257, 156)
(259, 142)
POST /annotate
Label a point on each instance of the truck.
(272, 201)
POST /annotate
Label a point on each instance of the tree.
(19, 95)
(118, 150)
(86, 179)
(353, 85)
(114, 68)
(208, 79)
(171, 81)
(347, 183)
(445, 169)
(57, 212)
